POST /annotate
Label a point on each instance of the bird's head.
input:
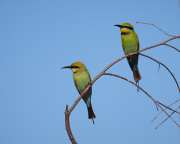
(125, 28)
(76, 67)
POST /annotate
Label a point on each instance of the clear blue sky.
(38, 37)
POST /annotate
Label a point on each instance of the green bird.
(130, 44)
(81, 79)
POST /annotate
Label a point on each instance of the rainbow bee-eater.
(81, 79)
(130, 44)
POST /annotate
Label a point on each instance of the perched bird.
(81, 79)
(130, 44)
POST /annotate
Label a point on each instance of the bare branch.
(160, 63)
(157, 103)
(79, 98)
(168, 116)
(68, 111)
(142, 50)
(158, 28)
(68, 127)
(173, 47)
(175, 102)
(169, 108)
(162, 43)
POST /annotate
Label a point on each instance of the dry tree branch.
(169, 108)
(168, 116)
(176, 49)
(158, 114)
(163, 109)
(68, 127)
(69, 110)
(157, 103)
(160, 63)
(68, 113)
(163, 43)
(142, 50)
(163, 31)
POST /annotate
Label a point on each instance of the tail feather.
(91, 114)
(133, 62)
(137, 75)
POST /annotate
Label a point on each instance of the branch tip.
(66, 110)
(158, 28)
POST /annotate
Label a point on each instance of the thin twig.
(173, 47)
(168, 116)
(163, 43)
(158, 28)
(169, 108)
(163, 121)
(173, 103)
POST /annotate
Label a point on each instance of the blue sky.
(38, 37)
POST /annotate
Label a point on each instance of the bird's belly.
(82, 81)
(129, 46)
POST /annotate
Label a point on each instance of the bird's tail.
(91, 114)
(136, 74)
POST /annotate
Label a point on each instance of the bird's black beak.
(119, 26)
(67, 67)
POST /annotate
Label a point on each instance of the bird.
(81, 79)
(130, 44)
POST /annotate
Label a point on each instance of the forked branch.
(158, 104)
